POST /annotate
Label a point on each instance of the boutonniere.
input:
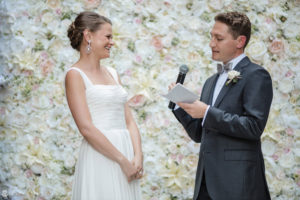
(233, 76)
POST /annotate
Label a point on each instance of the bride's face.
(101, 41)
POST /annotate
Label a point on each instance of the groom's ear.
(241, 41)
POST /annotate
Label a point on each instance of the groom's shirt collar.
(236, 60)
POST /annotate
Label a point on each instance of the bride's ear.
(87, 35)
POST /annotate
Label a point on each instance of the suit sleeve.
(257, 97)
(192, 126)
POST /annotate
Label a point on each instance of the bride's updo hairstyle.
(85, 20)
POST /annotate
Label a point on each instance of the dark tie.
(221, 68)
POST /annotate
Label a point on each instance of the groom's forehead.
(220, 29)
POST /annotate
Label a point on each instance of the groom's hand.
(170, 87)
(195, 110)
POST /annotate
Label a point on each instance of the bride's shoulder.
(72, 72)
(111, 69)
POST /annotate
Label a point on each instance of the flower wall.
(38, 138)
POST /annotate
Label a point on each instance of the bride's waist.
(110, 126)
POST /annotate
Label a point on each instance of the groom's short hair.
(238, 24)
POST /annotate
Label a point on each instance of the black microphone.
(183, 69)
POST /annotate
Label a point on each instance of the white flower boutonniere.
(233, 76)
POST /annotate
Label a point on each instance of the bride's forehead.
(104, 29)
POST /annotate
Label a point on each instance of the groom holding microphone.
(230, 117)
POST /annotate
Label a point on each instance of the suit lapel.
(207, 96)
(225, 87)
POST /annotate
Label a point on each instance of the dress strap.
(86, 80)
(114, 74)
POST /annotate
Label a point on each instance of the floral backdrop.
(38, 138)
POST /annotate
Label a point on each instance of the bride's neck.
(89, 62)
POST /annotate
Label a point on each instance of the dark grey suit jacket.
(230, 153)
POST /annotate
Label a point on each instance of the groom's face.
(222, 43)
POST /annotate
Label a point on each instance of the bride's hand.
(129, 169)
(138, 163)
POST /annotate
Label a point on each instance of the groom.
(230, 118)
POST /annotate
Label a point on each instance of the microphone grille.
(183, 69)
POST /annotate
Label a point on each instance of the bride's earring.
(88, 48)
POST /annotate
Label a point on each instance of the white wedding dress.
(96, 176)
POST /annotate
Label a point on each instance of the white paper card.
(181, 94)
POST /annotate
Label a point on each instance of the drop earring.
(88, 48)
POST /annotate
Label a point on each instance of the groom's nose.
(212, 43)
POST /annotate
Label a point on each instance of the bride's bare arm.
(136, 141)
(75, 92)
(135, 138)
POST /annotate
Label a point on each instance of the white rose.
(152, 6)
(47, 190)
(37, 168)
(293, 49)
(193, 147)
(180, 7)
(56, 116)
(256, 50)
(291, 27)
(167, 40)
(47, 18)
(296, 148)
(42, 101)
(287, 160)
(268, 147)
(4, 194)
(192, 22)
(291, 119)
(27, 60)
(286, 85)
(267, 27)
(258, 5)
(76, 6)
(144, 49)
(288, 187)
(275, 186)
(233, 74)
(16, 118)
(165, 24)
(69, 161)
(291, 30)
(216, 4)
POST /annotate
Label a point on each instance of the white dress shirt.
(221, 81)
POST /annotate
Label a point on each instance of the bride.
(110, 159)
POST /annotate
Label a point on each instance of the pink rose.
(137, 20)
(53, 3)
(138, 59)
(289, 73)
(28, 173)
(2, 111)
(275, 157)
(289, 131)
(156, 42)
(137, 100)
(90, 4)
(276, 47)
(47, 66)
